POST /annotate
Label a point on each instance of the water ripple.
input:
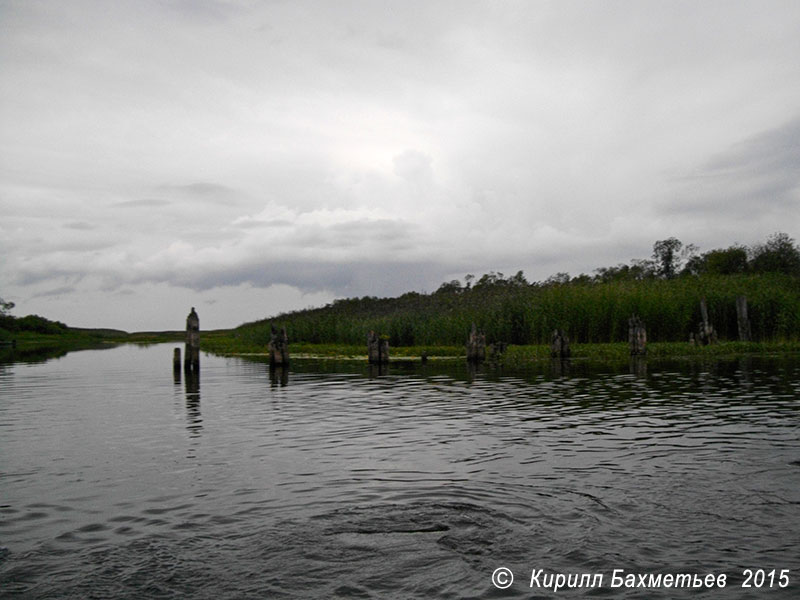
(122, 481)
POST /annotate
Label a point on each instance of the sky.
(253, 157)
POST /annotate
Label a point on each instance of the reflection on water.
(337, 480)
(278, 375)
(193, 402)
(192, 391)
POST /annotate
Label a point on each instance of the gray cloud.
(80, 226)
(356, 278)
(755, 176)
(55, 292)
(262, 223)
(231, 148)
(202, 191)
(142, 203)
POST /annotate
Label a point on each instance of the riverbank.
(34, 344)
(514, 354)
(224, 343)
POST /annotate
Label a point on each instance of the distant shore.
(514, 355)
(223, 343)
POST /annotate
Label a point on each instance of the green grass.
(589, 312)
(78, 338)
(515, 355)
(228, 345)
(520, 355)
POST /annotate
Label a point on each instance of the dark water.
(330, 481)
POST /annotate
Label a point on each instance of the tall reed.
(590, 312)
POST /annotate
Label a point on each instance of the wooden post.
(383, 347)
(191, 359)
(496, 351)
(279, 347)
(476, 345)
(745, 334)
(176, 360)
(377, 349)
(637, 336)
(707, 333)
(559, 345)
(373, 349)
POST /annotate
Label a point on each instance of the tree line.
(35, 323)
(664, 290)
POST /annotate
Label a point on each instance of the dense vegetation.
(33, 323)
(35, 333)
(665, 291)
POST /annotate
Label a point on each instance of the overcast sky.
(252, 157)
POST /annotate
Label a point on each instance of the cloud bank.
(251, 157)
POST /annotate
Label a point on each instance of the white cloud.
(366, 147)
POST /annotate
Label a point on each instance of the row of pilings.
(476, 347)
(278, 347)
(637, 335)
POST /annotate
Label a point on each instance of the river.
(333, 480)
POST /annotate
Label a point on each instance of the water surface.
(331, 480)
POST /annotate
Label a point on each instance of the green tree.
(5, 307)
(725, 262)
(779, 254)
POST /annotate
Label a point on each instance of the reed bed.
(526, 315)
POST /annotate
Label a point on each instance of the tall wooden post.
(176, 360)
(377, 349)
(279, 347)
(745, 335)
(559, 345)
(476, 345)
(191, 359)
(383, 347)
(707, 333)
(637, 336)
(373, 349)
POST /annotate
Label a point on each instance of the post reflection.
(638, 366)
(378, 369)
(193, 417)
(278, 375)
(560, 367)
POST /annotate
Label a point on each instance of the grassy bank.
(70, 338)
(526, 314)
(514, 355)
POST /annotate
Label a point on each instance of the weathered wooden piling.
(176, 360)
(377, 348)
(278, 347)
(476, 345)
(495, 351)
(373, 348)
(707, 335)
(637, 336)
(383, 345)
(559, 344)
(743, 322)
(191, 358)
